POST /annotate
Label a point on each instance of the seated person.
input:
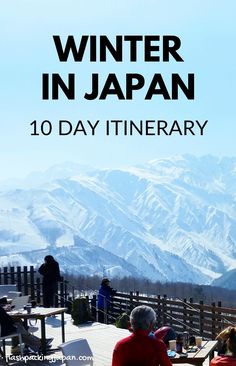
(166, 334)
(3, 300)
(226, 348)
(9, 326)
(141, 349)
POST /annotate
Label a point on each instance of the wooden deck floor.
(101, 338)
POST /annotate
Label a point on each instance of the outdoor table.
(197, 358)
(41, 314)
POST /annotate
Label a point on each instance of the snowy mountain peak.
(169, 219)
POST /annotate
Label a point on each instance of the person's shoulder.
(123, 341)
(159, 344)
(104, 289)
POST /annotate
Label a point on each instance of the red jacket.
(140, 350)
(223, 361)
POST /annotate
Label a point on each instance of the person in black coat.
(51, 275)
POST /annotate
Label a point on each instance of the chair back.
(77, 353)
(19, 302)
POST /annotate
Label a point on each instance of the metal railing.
(199, 318)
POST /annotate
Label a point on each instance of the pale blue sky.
(207, 32)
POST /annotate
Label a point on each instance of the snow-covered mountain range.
(170, 219)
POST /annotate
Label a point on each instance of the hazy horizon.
(125, 165)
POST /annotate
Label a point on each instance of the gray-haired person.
(140, 349)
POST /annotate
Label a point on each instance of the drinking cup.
(198, 341)
(28, 308)
(172, 345)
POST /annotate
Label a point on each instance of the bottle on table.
(179, 343)
(185, 340)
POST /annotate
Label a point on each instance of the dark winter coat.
(7, 323)
(104, 296)
(50, 272)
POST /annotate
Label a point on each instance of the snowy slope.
(170, 219)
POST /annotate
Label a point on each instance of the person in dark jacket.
(104, 299)
(51, 275)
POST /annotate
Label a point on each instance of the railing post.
(126, 306)
(169, 319)
(12, 275)
(38, 291)
(158, 311)
(94, 307)
(32, 288)
(62, 293)
(185, 314)
(164, 309)
(201, 318)
(25, 279)
(219, 318)
(131, 305)
(18, 276)
(213, 326)
(65, 295)
(190, 316)
(56, 297)
(5, 278)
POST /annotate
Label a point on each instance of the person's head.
(105, 281)
(166, 334)
(228, 340)
(49, 259)
(142, 318)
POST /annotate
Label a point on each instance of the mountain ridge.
(167, 218)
